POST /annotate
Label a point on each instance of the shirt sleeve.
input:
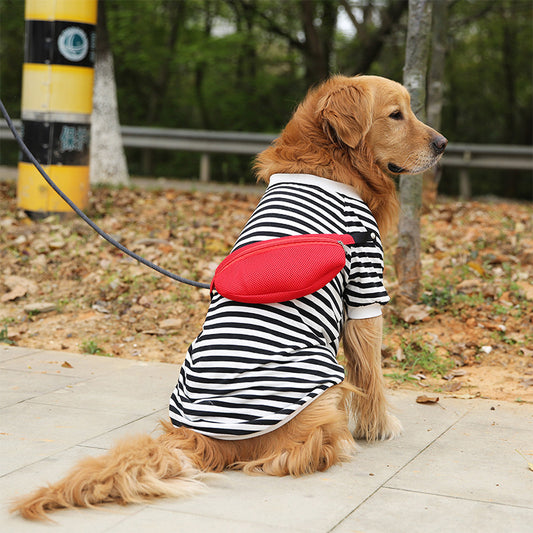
(365, 293)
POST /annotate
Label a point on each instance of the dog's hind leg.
(362, 349)
(317, 438)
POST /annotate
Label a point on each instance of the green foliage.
(11, 54)
(4, 336)
(489, 88)
(438, 298)
(401, 377)
(92, 348)
(489, 61)
(419, 355)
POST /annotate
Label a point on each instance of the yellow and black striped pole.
(57, 93)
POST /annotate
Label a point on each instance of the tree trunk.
(407, 255)
(175, 12)
(200, 70)
(318, 38)
(108, 162)
(435, 91)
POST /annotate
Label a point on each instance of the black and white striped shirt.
(255, 366)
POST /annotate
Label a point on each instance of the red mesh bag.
(278, 270)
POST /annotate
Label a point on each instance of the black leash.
(82, 215)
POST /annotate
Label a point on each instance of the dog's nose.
(438, 144)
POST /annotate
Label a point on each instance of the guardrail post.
(465, 187)
(205, 168)
(57, 92)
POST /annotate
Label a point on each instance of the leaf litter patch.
(63, 288)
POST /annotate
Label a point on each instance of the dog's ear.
(346, 113)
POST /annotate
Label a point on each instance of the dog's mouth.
(416, 165)
(395, 169)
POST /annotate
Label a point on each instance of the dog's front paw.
(389, 427)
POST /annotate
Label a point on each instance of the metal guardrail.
(210, 142)
(489, 156)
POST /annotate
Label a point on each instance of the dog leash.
(86, 219)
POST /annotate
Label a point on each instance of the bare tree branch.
(373, 44)
(351, 16)
(271, 25)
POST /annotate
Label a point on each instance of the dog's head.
(356, 131)
(376, 111)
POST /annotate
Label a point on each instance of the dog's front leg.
(362, 350)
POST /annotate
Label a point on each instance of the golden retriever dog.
(349, 135)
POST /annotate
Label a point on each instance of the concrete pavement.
(455, 469)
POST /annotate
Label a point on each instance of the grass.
(92, 348)
(438, 298)
(419, 356)
(4, 336)
(401, 378)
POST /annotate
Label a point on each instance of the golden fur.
(353, 130)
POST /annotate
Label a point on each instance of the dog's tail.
(135, 470)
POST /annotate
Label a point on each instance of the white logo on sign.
(73, 139)
(73, 43)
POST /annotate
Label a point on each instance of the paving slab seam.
(78, 445)
(82, 409)
(93, 446)
(396, 472)
(150, 433)
(40, 460)
(77, 380)
(103, 507)
(33, 399)
(36, 372)
(31, 351)
(233, 521)
(460, 498)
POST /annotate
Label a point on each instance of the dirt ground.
(63, 288)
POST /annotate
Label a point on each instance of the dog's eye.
(397, 115)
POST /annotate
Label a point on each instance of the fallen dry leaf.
(19, 287)
(17, 292)
(39, 307)
(66, 364)
(16, 281)
(458, 372)
(171, 324)
(466, 396)
(476, 267)
(427, 399)
(399, 355)
(452, 386)
(526, 288)
(415, 313)
(468, 286)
